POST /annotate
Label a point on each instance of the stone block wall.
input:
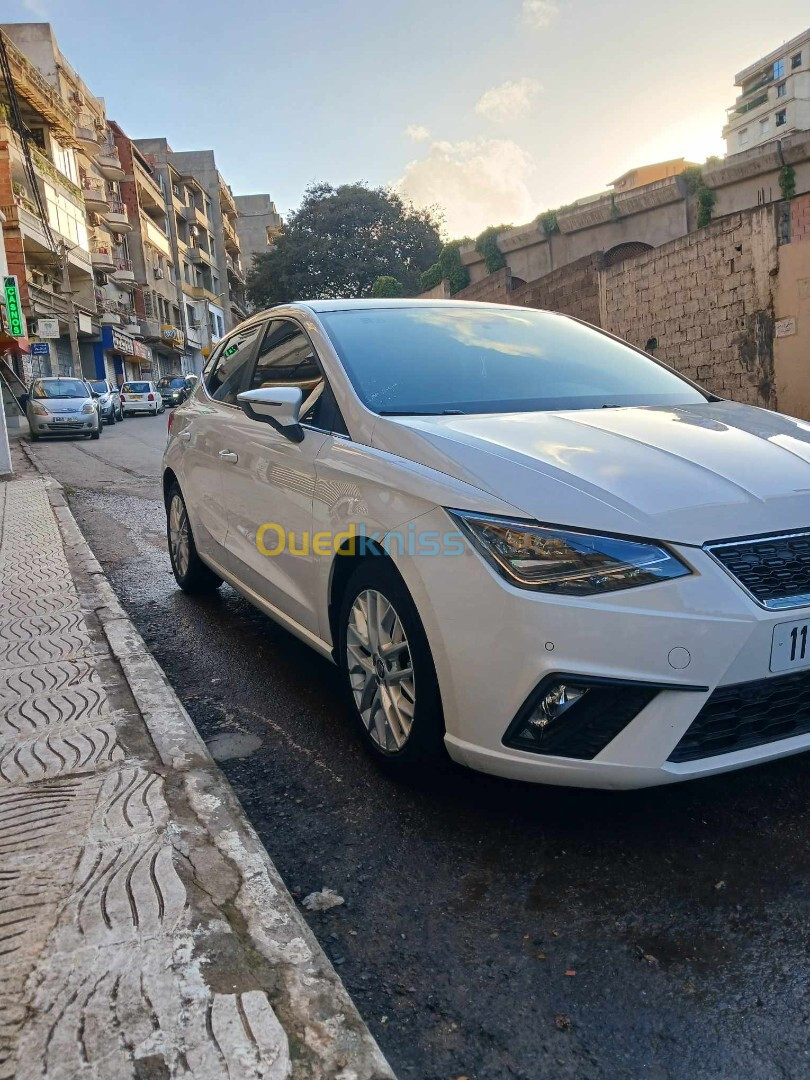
(573, 290)
(706, 298)
(493, 289)
(800, 218)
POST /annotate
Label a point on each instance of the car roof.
(349, 305)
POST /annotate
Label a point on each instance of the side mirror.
(278, 406)
(95, 393)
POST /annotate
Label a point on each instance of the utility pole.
(67, 292)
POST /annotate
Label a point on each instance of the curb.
(321, 1021)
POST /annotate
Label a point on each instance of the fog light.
(555, 703)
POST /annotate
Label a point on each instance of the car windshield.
(99, 386)
(433, 360)
(135, 388)
(177, 383)
(59, 388)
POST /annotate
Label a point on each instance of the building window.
(764, 126)
(779, 69)
(781, 117)
(742, 137)
(796, 61)
(781, 89)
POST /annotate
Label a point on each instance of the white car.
(141, 396)
(520, 538)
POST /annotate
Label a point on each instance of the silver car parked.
(62, 406)
(109, 399)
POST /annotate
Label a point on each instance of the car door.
(269, 489)
(205, 431)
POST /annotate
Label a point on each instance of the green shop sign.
(13, 308)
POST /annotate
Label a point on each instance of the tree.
(385, 287)
(340, 241)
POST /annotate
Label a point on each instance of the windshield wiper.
(415, 412)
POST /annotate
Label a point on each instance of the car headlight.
(88, 407)
(566, 563)
(38, 410)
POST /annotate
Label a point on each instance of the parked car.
(109, 399)
(62, 406)
(174, 389)
(141, 396)
(520, 538)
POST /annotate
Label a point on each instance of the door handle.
(184, 435)
(228, 455)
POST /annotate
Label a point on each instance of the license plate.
(60, 419)
(791, 646)
(135, 397)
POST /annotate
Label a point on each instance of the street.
(491, 929)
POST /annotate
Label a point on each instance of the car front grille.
(775, 570)
(748, 714)
(67, 425)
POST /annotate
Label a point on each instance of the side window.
(287, 358)
(225, 374)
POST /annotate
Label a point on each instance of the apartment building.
(67, 227)
(153, 264)
(257, 226)
(202, 215)
(650, 174)
(774, 99)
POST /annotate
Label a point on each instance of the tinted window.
(99, 386)
(167, 382)
(136, 388)
(286, 358)
(59, 388)
(473, 360)
(225, 375)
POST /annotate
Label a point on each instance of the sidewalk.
(144, 932)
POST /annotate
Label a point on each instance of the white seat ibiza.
(524, 542)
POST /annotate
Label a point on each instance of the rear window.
(99, 386)
(167, 383)
(135, 388)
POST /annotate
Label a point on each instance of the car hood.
(688, 474)
(60, 406)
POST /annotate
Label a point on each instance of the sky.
(491, 110)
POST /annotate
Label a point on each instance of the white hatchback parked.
(520, 538)
(141, 396)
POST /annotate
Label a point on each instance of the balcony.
(150, 329)
(231, 239)
(108, 163)
(87, 132)
(132, 327)
(122, 273)
(235, 269)
(117, 217)
(226, 199)
(102, 256)
(199, 255)
(112, 312)
(95, 195)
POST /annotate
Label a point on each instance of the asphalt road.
(490, 929)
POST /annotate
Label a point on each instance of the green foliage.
(454, 272)
(340, 241)
(386, 286)
(487, 246)
(548, 221)
(430, 278)
(706, 198)
(787, 181)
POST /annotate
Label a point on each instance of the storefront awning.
(9, 344)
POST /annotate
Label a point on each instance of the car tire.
(33, 436)
(97, 434)
(162, 409)
(111, 421)
(393, 701)
(190, 572)
(121, 413)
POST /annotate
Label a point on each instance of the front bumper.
(492, 645)
(70, 426)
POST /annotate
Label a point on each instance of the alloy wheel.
(380, 670)
(179, 535)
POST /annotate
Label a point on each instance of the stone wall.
(493, 289)
(573, 290)
(800, 218)
(706, 298)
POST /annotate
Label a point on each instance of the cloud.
(510, 99)
(476, 183)
(539, 13)
(417, 132)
